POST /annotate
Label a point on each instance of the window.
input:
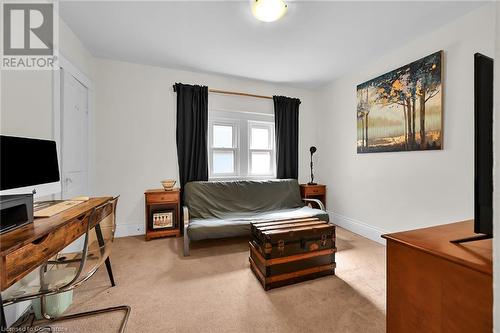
(241, 145)
(261, 151)
(224, 152)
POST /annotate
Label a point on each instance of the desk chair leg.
(108, 262)
(124, 308)
(3, 323)
(110, 272)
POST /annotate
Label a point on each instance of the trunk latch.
(281, 247)
(323, 240)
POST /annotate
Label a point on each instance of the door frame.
(58, 84)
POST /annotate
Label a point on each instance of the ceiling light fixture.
(268, 10)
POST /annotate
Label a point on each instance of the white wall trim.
(125, 230)
(358, 227)
(66, 65)
(76, 72)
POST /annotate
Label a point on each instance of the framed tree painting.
(402, 110)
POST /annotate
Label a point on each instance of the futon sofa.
(221, 209)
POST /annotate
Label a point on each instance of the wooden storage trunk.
(289, 251)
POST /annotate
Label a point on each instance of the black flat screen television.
(483, 149)
(483, 144)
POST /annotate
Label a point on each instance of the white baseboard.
(358, 227)
(124, 230)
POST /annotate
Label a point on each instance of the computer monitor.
(28, 165)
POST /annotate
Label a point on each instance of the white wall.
(74, 51)
(26, 103)
(386, 192)
(135, 128)
(27, 96)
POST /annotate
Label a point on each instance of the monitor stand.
(16, 210)
(471, 239)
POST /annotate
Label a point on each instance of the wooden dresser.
(437, 286)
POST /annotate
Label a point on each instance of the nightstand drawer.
(314, 190)
(162, 197)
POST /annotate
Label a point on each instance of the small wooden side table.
(314, 192)
(162, 213)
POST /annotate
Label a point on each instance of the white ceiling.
(313, 43)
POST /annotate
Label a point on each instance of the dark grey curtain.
(192, 128)
(286, 118)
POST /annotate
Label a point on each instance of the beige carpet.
(215, 291)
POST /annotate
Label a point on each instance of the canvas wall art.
(402, 110)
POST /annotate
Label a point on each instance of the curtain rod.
(217, 91)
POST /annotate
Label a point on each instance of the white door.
(74, 135)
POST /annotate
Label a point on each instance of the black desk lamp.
(312, 150)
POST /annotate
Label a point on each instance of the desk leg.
(108, 262)
(3, 324)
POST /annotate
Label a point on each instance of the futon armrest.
(316, 201)
(185, 214)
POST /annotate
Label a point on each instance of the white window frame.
(270, 127)
(241, 122)
(235, 149)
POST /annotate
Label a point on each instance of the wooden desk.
(24, 249)
(437, 286)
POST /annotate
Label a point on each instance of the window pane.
(223, 136)
(223, 162)
(260, 138)
(261, 163)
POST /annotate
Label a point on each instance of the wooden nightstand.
(314, 192)
(162, 213)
